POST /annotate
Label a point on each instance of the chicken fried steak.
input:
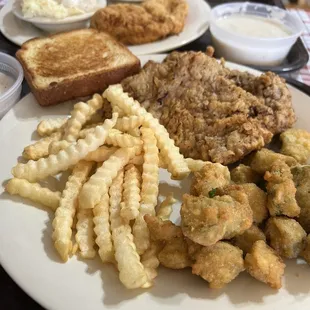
(211, 112)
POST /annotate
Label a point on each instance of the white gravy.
(254, 26)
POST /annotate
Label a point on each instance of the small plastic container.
(251, 50)
(10, 68)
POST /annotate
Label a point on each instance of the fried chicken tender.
(139, 24)
(263, 263)
(306, 250)
(210, 177)
(207, 220)
(263, 160)
(281, 190)
(174, 248)
(301, 177)
(248, 238)
(285, 236)
(206, 112)
(296, 143)
(244, 174)
(219, 264)
(257, 200)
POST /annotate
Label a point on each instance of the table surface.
(12, 297)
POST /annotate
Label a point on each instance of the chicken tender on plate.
(257, 200)
(173, 252)
(263, 160)
(285, 236)
(206, 112)
(301, 177)
(138, 24)
(248, 238)
(207, 220)
(296, 143)
(219, 264)
(209, 178)
(281, 191)
(263, 263)
(244, 174)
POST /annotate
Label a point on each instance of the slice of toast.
(74, 64)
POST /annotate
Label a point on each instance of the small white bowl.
(250, 50)
(12, 68)
(53, 25)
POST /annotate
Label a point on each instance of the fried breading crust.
(301, 177)
(264, 264)
(208, 114)
(137, 24)
(285, 236)
(207, 220)
(219, 264)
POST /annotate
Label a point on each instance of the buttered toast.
(74, 64)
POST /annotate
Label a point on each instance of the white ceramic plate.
(196, 25)
(27, 253)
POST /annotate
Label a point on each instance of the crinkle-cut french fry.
(150, 174)
(63, 221)
(81, 113)
(103, 230)
(115, 193)
(34, 192)
(56, 146)
(195, 165)
(140, 230)
(177, 165)
(149, 189)
(85, 236)
(37, 170)
(165, 208)
(137, 160)
(127, 123)
(101, 154)
(48, 126)
(99, 183)
(131, 194)
(117, 138)
(135, 132)
(41, 148)
(131, 271)
(150, 262)
(118, 110)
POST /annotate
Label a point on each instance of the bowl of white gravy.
(252, 33)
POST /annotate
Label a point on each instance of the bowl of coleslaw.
(57, 15)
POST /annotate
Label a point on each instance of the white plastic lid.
(11, 67)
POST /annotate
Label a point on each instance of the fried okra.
(210, 177)
(281, 190)
(218, 264)
(248, 238)
(306, 250)
(285, 236)
(207, 220)
(257, 200)
(296, 143)
(173, 248)
(301, 177)
(244, 174)
(263, 160)
(263, 263)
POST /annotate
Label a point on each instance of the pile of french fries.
(114, 180)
